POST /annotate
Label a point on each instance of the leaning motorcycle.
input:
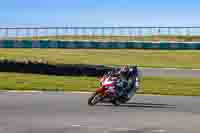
(107, 93)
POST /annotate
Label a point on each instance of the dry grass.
(115, 38)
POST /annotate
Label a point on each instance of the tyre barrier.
(49, 69)
(98, 45)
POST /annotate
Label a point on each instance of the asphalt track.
(69, 113)
(170, 72)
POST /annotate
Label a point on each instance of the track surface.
(69, 113)
(164, 72)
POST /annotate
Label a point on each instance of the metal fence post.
(188, 31)
(28, 32)
(7, 33)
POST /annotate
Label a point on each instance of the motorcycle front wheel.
(94, 99)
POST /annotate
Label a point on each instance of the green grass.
(18, 81)
(143, 58)
(171, 86)
(115, 38)
(150, 85)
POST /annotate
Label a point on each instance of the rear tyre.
(116, 102)
(94, 99)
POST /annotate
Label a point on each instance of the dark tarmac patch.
(141, 105)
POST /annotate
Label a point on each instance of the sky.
(23, 13)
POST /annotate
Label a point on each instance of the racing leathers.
(122, 84)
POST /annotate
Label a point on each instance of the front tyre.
(94, 99)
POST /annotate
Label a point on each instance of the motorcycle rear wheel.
(116, 102)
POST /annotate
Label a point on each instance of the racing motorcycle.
(107, 92)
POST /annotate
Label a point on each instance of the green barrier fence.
(25, 44)
(101, 45)
(8, 44)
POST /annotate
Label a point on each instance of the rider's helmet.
(124, 71)
(125, 68)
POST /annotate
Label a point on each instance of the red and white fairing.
(108, 83)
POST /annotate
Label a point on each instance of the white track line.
(168, 68)
(76, 125)
(15, 91)
(79, 92)
(159, 131)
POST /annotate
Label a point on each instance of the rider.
(123, 76)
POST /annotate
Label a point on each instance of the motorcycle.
(107, 92)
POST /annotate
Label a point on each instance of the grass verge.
(150, 85)
(144, 58)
